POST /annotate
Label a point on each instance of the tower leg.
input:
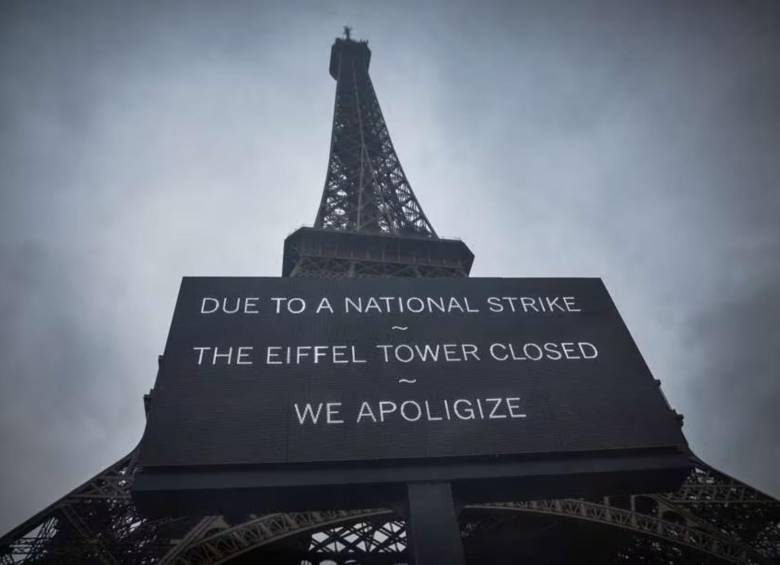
(432, 525)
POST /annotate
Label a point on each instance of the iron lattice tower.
(366, 189)
(370, 224)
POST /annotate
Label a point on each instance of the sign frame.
(308, 485)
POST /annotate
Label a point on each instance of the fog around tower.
(141, 142)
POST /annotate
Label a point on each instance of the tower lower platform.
(311, 252)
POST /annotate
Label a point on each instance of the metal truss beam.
(231, 542)
(671, 532)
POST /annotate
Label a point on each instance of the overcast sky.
(140, 142)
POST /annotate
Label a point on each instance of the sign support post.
(432, 525)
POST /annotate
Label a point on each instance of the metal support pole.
(432, 525)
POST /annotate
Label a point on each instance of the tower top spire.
(347, 32)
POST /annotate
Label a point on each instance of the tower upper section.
(366, 189)
(357, 52)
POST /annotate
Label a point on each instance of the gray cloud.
(141, 142)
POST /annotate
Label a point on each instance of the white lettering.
(332, 413)
(416, 407)
(366, 412)
(243, 354)
(212, 300)
(324, 305)
(308, 413)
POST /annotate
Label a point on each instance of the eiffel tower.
(370, 224)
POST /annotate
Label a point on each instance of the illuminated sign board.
(278, 382)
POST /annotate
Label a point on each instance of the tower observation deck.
(370, 224)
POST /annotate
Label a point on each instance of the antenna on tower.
(348, 32)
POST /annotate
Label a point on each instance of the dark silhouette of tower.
(370, 223)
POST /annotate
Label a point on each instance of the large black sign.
(271, 374)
